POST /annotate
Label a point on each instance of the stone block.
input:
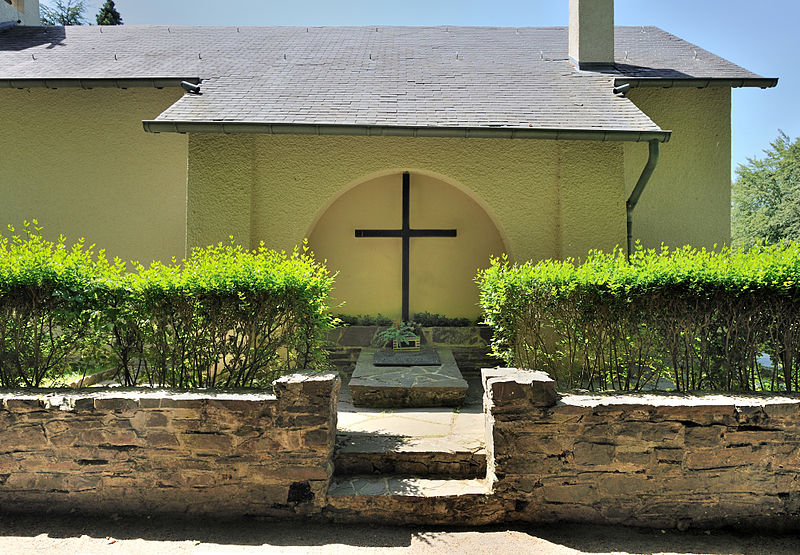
(510, 385)
(725, 457)
(782, 410)
(22, 437)
(155, 420)
(188, 404)
(669, 455)
(233, 405)
(206, 442)
(83, 404)
(23, 404)
(593, 454)
(150, 402)
(116, 403)
(569, 493)
(701, 415)
(161, 439)
(706, 436)
(650, 432)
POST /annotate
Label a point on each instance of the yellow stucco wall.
(687, 200)
(547, 198)
(80, 162)
(441, 268)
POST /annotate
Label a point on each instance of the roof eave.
(700, 83)
(610, 135)
(96, 83)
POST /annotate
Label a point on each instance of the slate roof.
(418, 77)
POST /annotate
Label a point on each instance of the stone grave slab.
(439, 385)
(423, 357)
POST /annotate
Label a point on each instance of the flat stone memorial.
(423, 357)
(409, 385)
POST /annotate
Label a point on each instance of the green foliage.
(224, 317)
(63, 12)
(426, 319)
(401, 333)
(364, 320)
(698, 318)
(108, 14)
(423, 319)
(49, 304)
(766, 196)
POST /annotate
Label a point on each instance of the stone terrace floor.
(462, 427)
(446, 442)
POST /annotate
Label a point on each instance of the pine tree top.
(108, 14)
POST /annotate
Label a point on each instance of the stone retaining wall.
(650, 460)
(114, 451)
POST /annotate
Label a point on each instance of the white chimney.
(591, 33)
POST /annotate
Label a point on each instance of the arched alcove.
(441, 269)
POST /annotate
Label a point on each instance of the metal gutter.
(762, 82)
(160, 126)
(652, 160)
(100, 83)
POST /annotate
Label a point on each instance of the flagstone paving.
(409, 452)
(414, 487)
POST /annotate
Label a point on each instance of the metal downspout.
(652, 160)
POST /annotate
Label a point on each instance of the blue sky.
(761, 36)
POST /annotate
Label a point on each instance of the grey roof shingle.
(473, 77)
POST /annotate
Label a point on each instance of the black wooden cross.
(405, 233)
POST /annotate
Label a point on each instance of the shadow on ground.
(491, 539)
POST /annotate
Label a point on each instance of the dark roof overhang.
(700, 83)
(609, 135)
(95, 83)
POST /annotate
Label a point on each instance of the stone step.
(413, 500)
(442, 457)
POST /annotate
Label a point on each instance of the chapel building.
(406, 155)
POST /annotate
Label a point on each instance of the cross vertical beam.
(406, 233)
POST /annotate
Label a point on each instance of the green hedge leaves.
(685, 319)
(223, 317)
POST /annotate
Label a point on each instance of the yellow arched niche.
(441, 268)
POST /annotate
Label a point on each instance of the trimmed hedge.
(700, 319)
(224, 317)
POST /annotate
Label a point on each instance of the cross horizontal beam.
(405, 232)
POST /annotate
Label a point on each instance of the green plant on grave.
(399, 334)
(50, 298)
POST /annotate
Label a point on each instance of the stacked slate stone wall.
(650, 460)
(114, 451)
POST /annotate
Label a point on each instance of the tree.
(766, 196)
(63, 12)
(108, 14)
